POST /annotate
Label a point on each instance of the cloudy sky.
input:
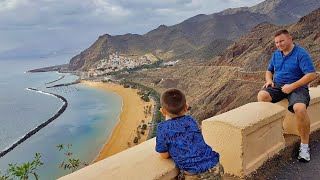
(33, 26)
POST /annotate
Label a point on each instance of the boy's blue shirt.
(292, 67)
(182, 138)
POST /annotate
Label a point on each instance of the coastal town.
(116, 62)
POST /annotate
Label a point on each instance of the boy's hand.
(165, 155)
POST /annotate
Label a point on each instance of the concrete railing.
(138, 162)
(245, 137)
(290, 122)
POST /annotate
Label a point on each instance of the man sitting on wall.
(288, 75)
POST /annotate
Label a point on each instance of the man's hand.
(267, 84)
(287, 88)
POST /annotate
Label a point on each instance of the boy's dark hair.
(282, 31)
(173, 100)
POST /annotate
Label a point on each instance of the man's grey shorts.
(299, 95)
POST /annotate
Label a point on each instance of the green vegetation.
(149, 110)
(106, 81)
(135, 140)
(28, 169)
(145, 97)
(70, 162)
(146, 66)
(158, 117)
(138, 68)
(144, 127)
(24, 171)
(126, 86)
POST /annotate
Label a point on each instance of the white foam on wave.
(42, 92)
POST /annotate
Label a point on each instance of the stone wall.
(136, 163)
(245, 137)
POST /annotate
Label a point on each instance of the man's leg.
(298, 102)
(264, 96)
(271, 94)
(300, 110)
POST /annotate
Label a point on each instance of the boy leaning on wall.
(179, 137)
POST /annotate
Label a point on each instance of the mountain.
(253, 51)
(196, 33)
(235, 76)
(106, 44)
(282, 12)
(207, 52)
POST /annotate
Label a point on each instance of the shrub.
(135, 140)
(70, 162)
(145, 98)
(140, 93)
(144, 126)
(25, 170)
(106, 80)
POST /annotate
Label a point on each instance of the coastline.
(131, 117)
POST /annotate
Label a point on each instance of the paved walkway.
(295, 170)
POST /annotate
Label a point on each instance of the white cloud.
(7, 5)
(55, 23)
(103, 7)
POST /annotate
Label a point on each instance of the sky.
(33, 27)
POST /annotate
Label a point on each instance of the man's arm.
(269, 76)
(306, 79)
(307, 67)
(269, 80)
(164, 155)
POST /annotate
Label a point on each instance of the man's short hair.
(282, 31)
(173, 100)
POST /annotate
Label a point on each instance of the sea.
(86, 123)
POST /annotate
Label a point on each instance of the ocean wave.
(61, 77)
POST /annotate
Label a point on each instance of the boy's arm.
(161, 143)
(164, 155)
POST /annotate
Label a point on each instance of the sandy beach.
(131, 117)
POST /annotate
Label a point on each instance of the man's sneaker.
(304, 154)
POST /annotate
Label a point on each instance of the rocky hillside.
(133, 44)
(280, 11)
(196, 33)
(235, 77)
(254, 50)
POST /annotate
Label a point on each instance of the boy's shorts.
(299, 95)
(214, 173)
